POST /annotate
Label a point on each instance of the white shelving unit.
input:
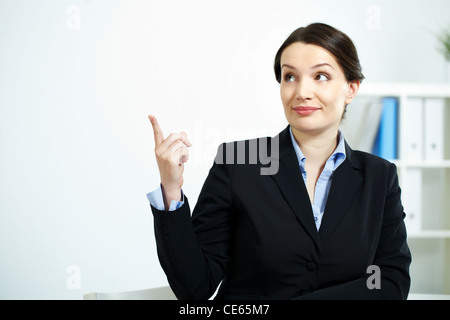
(430, 242)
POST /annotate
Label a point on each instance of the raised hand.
(171, 154)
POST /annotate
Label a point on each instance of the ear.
(353, 87)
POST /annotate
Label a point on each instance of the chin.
(304, 125)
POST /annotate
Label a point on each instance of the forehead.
(300, 54)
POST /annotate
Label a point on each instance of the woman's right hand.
(171, 154)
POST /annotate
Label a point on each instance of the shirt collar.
(337, 157)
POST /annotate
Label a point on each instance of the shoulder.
(369, 159)
(371, 165)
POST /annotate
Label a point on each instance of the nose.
(304, 90)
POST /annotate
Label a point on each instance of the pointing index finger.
(159, 136)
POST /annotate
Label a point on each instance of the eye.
(289, 77)
(321, 77)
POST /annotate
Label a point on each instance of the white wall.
(77, 80)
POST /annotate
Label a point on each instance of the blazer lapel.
(346, 181)
(290, 182)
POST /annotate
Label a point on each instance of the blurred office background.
(78, 79)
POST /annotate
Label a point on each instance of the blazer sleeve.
(193, 251)
(392, 256)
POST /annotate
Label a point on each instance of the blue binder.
(385, 145)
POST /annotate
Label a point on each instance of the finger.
(157, 131)
(177, 154)
(185, 139)
(183, 155)
(174, 138)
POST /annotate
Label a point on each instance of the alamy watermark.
(73, 21)
(257, 151)
(73, 281)
(374, 280)
(207, 144)
(373, 21)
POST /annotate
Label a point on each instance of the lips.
(305, 110)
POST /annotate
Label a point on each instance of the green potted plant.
(444, 48)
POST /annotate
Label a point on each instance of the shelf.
(405, 89)
(421, 164)
(436, 234)
(425, 183)
(428, 296)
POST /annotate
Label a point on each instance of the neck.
(316, 147)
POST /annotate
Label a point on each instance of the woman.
(315, 227)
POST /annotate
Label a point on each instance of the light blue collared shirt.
(323, 184)
(156, 200)
(320, 193)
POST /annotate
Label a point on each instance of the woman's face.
(314, 90)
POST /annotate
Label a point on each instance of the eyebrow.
(313, 67)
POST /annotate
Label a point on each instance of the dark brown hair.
(329, 38)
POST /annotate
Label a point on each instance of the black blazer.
(257, 233)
